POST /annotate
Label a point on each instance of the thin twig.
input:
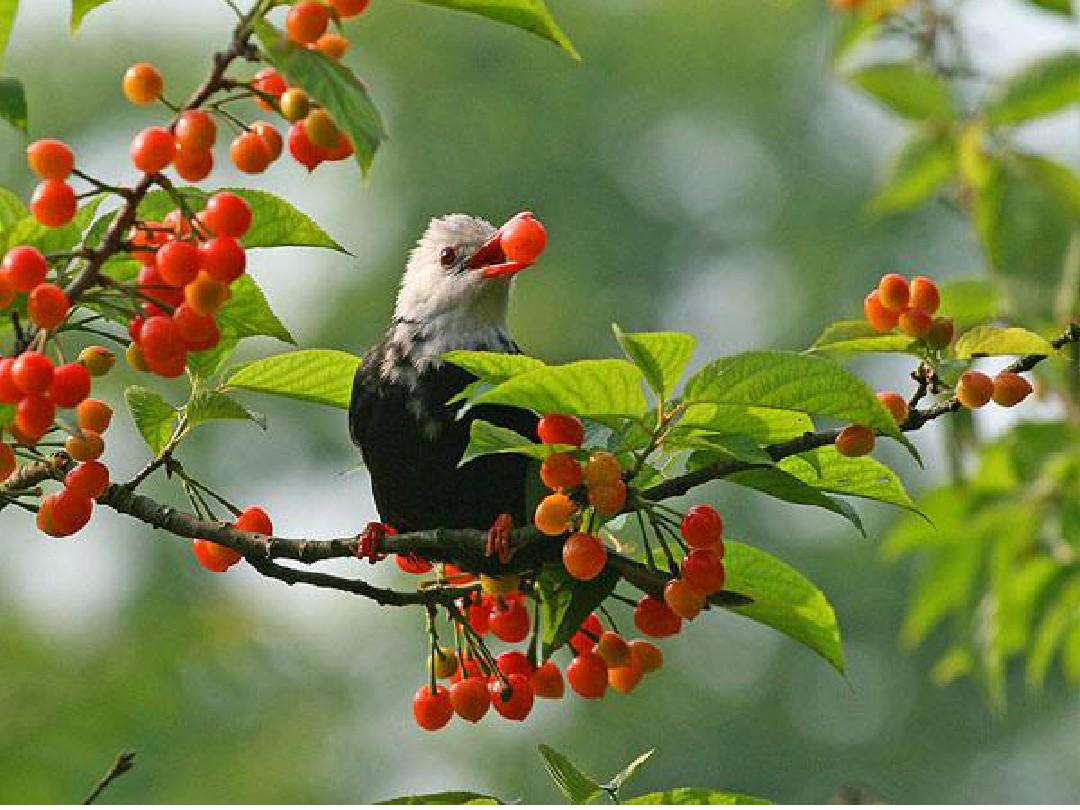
(124, 762)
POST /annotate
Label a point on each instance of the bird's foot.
(371, 538)
(498, 541)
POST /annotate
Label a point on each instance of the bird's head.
(458, 273)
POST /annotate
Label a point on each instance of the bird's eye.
(447, 256)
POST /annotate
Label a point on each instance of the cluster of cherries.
(218, 558)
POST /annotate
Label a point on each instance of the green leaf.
(209, 406)
(661, 356)
(12, 208)
(615, 783)
(925, 162)
(1041, 88)
(1057, 6)
(794, 382)
(334, 86)
(575, 785)
(323, 376)
(13, 103)
(695, 796)
(80, 8)
(786, 487)
(493, 367)
(733, 445)
(531, 15)
(8, 10)
(208, 363)
(846, 338)
(247, 313)
(585, 387)
(1059, 619)
(446, 797)
(1056, 179)
(763, 425)
(970, 301)
(987, 341)
(28, 231)
(864, 477)
(567, 602)
(784, 600)
(486, 439)
(907, 90)
(7, 413)
(154, 417)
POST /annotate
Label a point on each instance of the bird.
(454, 294)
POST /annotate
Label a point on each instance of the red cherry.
(516, 705)
(561, 471)
(195, 130)
(254, 520)
(878, 315)
(515, 661)
(684, 599)
(223, 259)
(32, 372)
(9, 391)
(227, 214)
(510, 623)
(71, 511)
(53, 203)
(193, 165)
(177, 262)
(654, 618)
(560, 428)
(411, 564)
(702, 527)
(585, 638)
(349, 8)
(270, 82)
(250, 153)
(479, 615)
(302, 149)
(925, 295)
(470, 698)
(198, 333)
(307, 21)
(584, 556)
(24, 268)
(34, 416)
(90, 479)
(523, 238)
(547, 681)
(70, 385)
(160, 339)
(588, 675)
(704, 570)
(894, 292)
(50, 160)
(153, 149)
(214, 556)
(47, 306)
(432, 710)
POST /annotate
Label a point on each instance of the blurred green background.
(699, 170)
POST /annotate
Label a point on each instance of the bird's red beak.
(490, 259)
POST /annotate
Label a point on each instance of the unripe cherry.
(880, 318)
(925, 295)
(941, 332)
(332, 45)
(205, 295)
(349, 8)
(974, 389)
(1010, 389)
(894, 292)
(608, 499)
(295, 104)
(93, 414)
(50, 159)
(895, 404)
(625, 679)
(271, 138)
(7, 292)
(47, 306)
(647, 654)
(561, 428)
(98, 360)
(499, 585)
(684, 600)
(250, 153)
(135, 358)
(855, 440)
(602, 469)
(53, 203)
(443, 663)
(588, 675)
(321, 129)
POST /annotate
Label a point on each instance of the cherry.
(518, 703)
(177, 262)
(9, 391)
(195, 130)
(925, 295)
(135, 358)
(855, 440)
(349, 8)
(152, 150)
(295, 104)
(608, 499)
(974, 389)
(152, 236)
(87, 446)
(915, 323)
(654, 618)
(896, 405)
(588, 675)
(553, 514)
(271, 138)
(499, 586)
(647, 654)
(613, 649)
(160, 339)
(7, 461)
(50, 160)
(302, 149)
(24, 268)
(193, 165)
(198, 333)
(470, 698)
(214, 556)
(153, 286)
(702, 527)
(704, 570)
(332, 45)
(90, 479)
(98, 360)
(561, 428)
(205, 295)
(143, 84)
(307, 21)
(249, 153)
(270, 82)
(523, 238)
(882, 319)
(626, 678)
(255, 521)
(321, 129)
(412, 564)
(515, 661)
(53, 203)
(547, 681)
(561, 471)
(227, 214)
(70, 385)
(584, 556)
(585, 638)
(684, 599)
(223, 259)
(478, 614)
(47, 306)
(894, 292)
(444, 663)
(71, 511)
(34, 416)
(32, 372)
(93, 414)
(602, 469)
(1010, 389)
(510, 621)
(45, 521)
(941, 332)
(341, 150)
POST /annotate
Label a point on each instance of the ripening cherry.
(271, 138)
(880, 318)
(321, 129)
(153, 149)
(915, 323)
(602, 469)
(198, 333)
(515, 661)
(332, 45)
(561, 471)
(895, 404)
(86, 446)
(702, 527)
(974, 389)
(510, 621)
(7, 292)
(561, 428)
(53, 203)
(349, 8)
(195, 130)
(47, 306)
(295, 104)
(143, 84)
(71, 511)
(584, 556)
(1010, 389)
(98, 360)
(9, 391)
(7, 461)
(341, 150)
(70, 385)
(443, 663)
(50, 159)
(684, 600)
(523, 238)
(625, 679)
(205, 295)
(704, 570)
(941, 332)
(654, 618)
(249, 153)
(270, 82)
(302, 149)
(894, 292)
(547, 681)
(586, 636)
(588, 675)
(34, 416)
(855, 440)
(553, 514)
(613, 649)
(608, 499)
(223, 259)
(93, 414)
(135, 358)
(89, 479)
(515, 705)
(227, 214)
(307, 21)
(499, 585)
(32, 372)
(24, 268)
(177, 262)
(193, 165)
(647, 655)
(470, 698)
(925, 295)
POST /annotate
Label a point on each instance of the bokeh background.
(699, 170)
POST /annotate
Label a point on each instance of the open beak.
(490, 260)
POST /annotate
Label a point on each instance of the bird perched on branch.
(454, 295)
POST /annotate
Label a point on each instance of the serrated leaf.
(247, 313)
(12, 208)
(906, 89)
(786, 487)
(530, 15)
(733, 445)
(80, 8)
(493, 367)
(8, 10)
(333, 86)
(446, 797)
(486, 439)
(924, 163)
(567, 602)
(574, 784)
(661, 356)
(987, 341)
(970, 301)
(695, 796)
(209, 406)
(784, 600)
(1041, 88)
(323, 376)
(154, 417)
(13, 103)
(847, 338)
(864, 477)
(763, 425)
(616, 782)
(207, 363)
(28, 231)
(585, 387)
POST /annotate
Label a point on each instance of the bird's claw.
(371, 538)
(498, 541)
